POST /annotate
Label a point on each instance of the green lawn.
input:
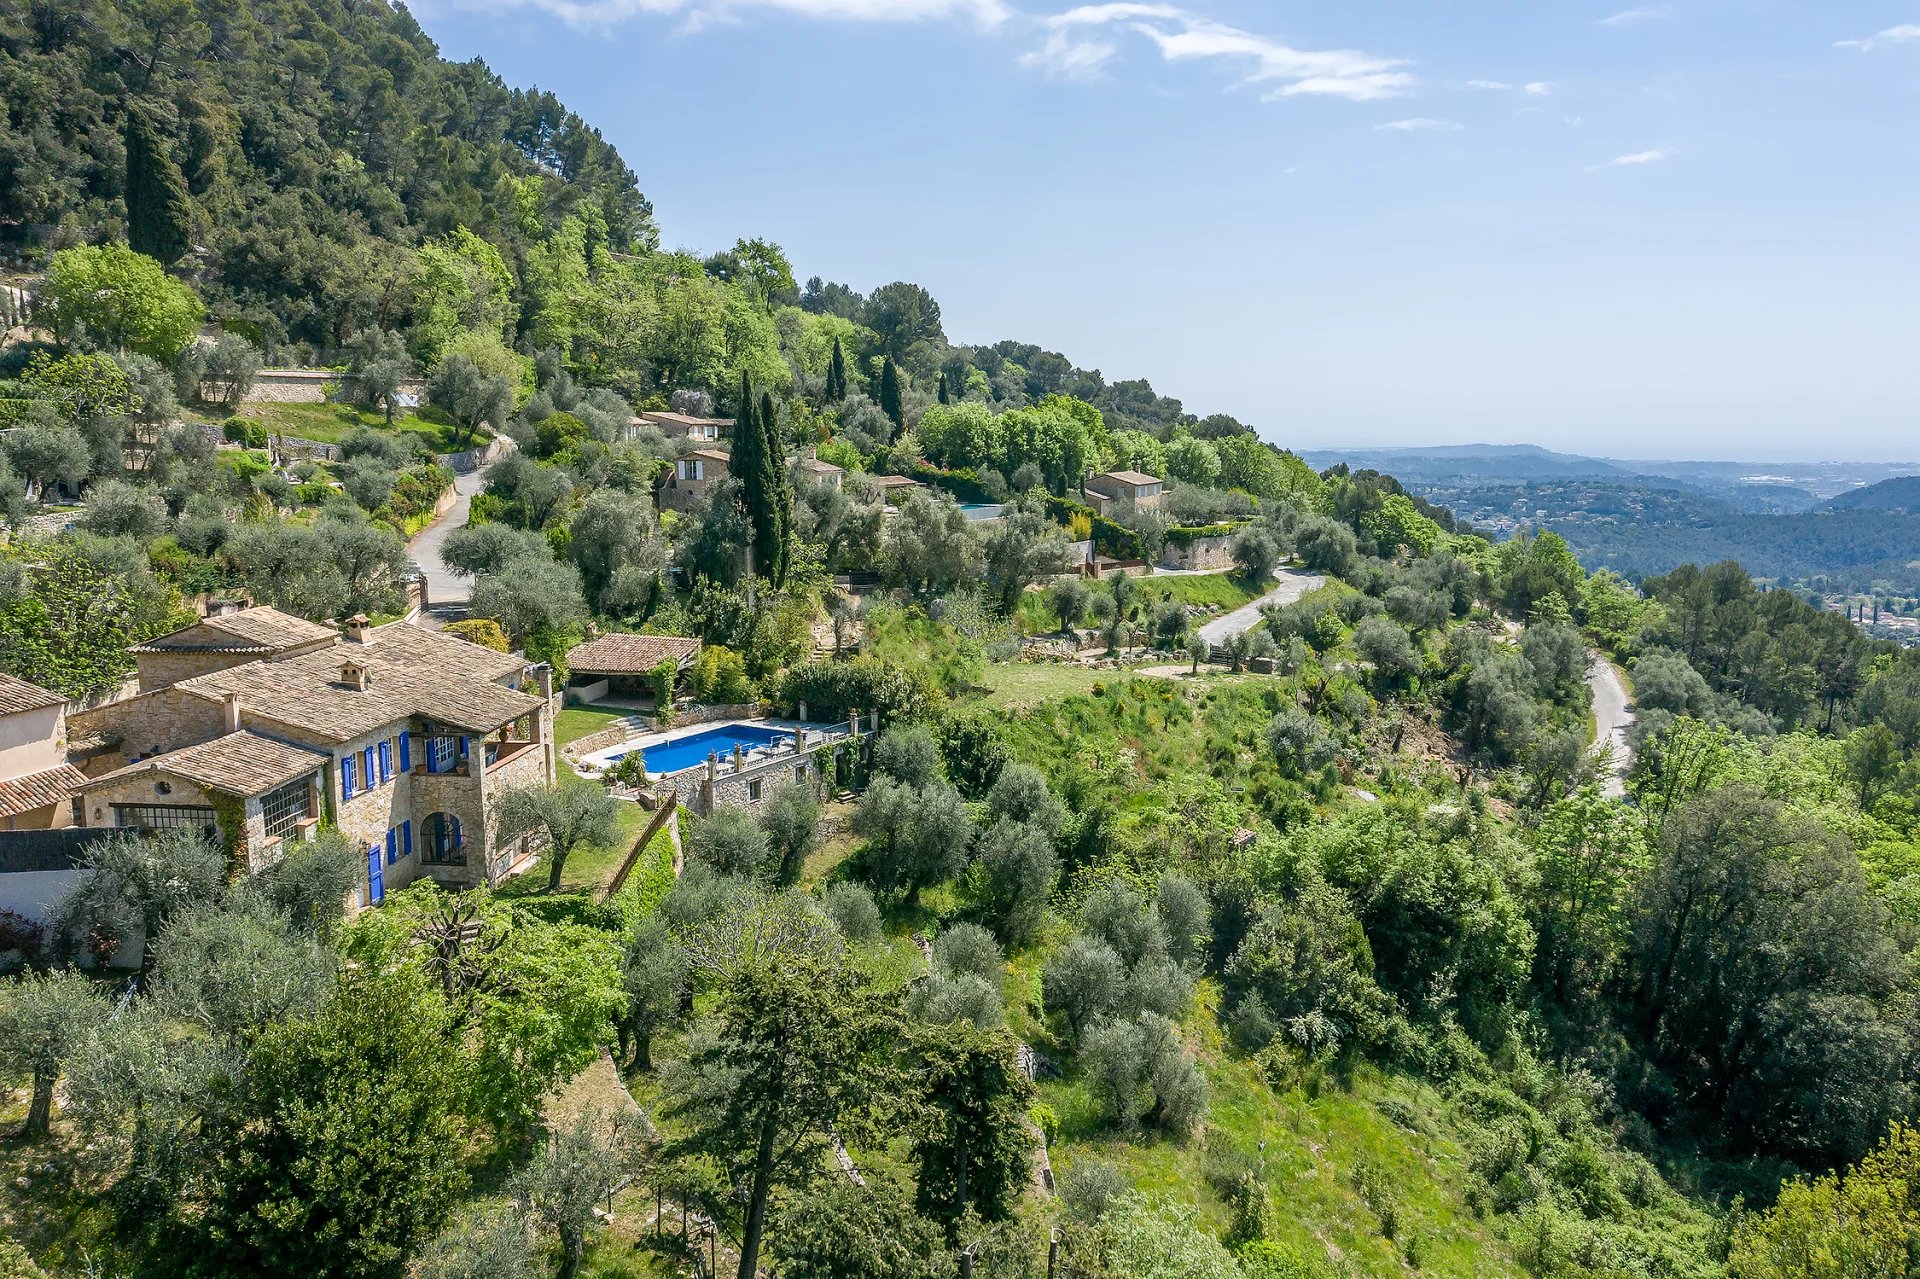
(576, 722)
(332, 423)
(1034, 614)
(1015, 684)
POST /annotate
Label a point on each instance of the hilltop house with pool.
(403, 738)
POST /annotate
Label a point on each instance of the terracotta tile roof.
(818, 467)
(896, 481)
(1132, 478)
(712, 455)
(37, 790)
(629, 654)
(242, 763)
(684, 419)
(251, 630)
(415, 672)
(17, 696)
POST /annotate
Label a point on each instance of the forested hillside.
(313, 142)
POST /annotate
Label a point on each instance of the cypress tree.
(943, 388)
(837, 375)
(890, 403)
(748, 464)
(779, 503)
(159, 210)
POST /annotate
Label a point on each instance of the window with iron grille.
(164, 817)
(285, 806)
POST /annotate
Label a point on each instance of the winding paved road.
(1612, 713)
(447, 592)
(1293, 584)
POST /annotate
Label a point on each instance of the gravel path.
(1293, 584)
(1612, 713)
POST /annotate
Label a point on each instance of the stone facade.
(309, 386)
(1203, 553)
(253, 849)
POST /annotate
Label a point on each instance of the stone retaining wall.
(309, 386)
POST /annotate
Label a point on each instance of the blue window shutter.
(406, 838)
(457, 841)
(386, 761)
(346, 777)
(367, 770)
(463, 746)
(393, 845)
(376, 876)
(406, 753)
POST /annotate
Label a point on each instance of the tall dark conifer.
(890, 401)
(837, 375)
(945, 395)
(747, 462)
(779, 501)
(159, 209)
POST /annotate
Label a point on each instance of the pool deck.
(594, 764)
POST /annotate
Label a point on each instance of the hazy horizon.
(1600, 227)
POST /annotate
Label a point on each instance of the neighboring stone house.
(824, 473)
(36, 780)
(687, 484)
(682, 426)
(1115, 490)
(403, 738)
(618, 665)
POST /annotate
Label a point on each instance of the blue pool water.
(685, 752)
(981, 510)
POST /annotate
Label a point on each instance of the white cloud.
(1539, 89)
(1488, 84)
(1421, 124)
(1183, 36)
(1905, 34)
(700, 13)
(1659, 155)
(1634, 17)
(1069, 58)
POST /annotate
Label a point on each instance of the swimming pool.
(685, 752)
(981, 512)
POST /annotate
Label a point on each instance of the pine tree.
(837, 375)
(159, 210)
(779, 496)
(890, 402)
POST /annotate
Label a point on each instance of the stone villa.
(261, 726)
(1115, 490)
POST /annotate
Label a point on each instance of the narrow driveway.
(1612, 713)
(1293, 584)
(447, 591)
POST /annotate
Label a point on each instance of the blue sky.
(1665, 230)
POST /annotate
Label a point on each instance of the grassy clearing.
(332, 423)
(1015, 684)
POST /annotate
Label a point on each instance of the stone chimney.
(231, 712)
(356, 675)
(543, 680)
(355, 631)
